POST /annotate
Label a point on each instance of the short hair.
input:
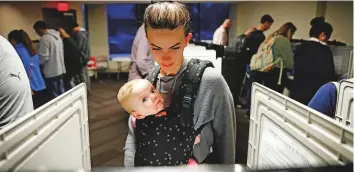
(318, 26)
(40, 25)
(267, 18)
(167, 15)
(124, 94)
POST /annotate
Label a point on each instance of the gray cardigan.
(214, 107)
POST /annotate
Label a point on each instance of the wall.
(22, 15)
(97, 24)
(249, 13)
(339, 14)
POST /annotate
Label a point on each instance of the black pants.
(55, 86)
(40, 98)
(270, 79)
(69, 82)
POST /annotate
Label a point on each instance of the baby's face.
(146, 99)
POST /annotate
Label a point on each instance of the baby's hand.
(163, 113)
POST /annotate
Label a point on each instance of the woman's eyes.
(159, 49)
(152, 91)
(144, 99)
(175, 48)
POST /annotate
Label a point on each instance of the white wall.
(339, 14)
(98, 29)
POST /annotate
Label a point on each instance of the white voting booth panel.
(287, 134)
(54, 137)
(344, 110)
(202, 54)
(342, 58)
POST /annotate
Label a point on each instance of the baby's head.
(140, 98)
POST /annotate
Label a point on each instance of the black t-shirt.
(253, 42)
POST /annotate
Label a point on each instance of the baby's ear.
(137, 115)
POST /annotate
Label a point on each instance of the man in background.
(255, 37)
(80, 35)
(220, 35)
(15, 90)
(51, 57)
(141, 60)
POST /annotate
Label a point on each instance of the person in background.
(141, 60)
(51, 57)
(220, 35)
(72, 61)
(281, 52)
(255, 36)
(80, 35)
(15, 90)
(325, 99)
(313, 62)
(30, 59)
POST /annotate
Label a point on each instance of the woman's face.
(323, 37)
(166, 46)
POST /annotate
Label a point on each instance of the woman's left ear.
(189, 37)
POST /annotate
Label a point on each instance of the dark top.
(72, 56)
(253, 42)
(313, 67)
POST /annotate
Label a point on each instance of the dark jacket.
(313, 67)
(72, 56)
(82, 40)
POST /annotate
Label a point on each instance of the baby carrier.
(169, 140)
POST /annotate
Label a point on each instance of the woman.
(281, 50)
(30, 59)
(313, 65)
(167, 26)
(72, 61)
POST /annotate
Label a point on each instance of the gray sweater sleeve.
(43, 51)
(224, 126)
(224, 122)
(129, 149)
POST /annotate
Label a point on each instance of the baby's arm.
(129, 148)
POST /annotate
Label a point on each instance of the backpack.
(263, 61)
(238, 46)
(158, 138)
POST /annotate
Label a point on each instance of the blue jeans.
(55, 86)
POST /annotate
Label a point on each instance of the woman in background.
(281, 50)
(30, 59)
(313, 62)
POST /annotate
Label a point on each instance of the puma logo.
(17, 76)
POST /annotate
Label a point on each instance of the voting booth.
(345, 98)
(54, 137)
(283, 134)
(342, 59)
(286, 134)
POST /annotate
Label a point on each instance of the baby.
(140, 99)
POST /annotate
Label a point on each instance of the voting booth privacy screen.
(345, 108)
(287, 134)
(53, 137)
